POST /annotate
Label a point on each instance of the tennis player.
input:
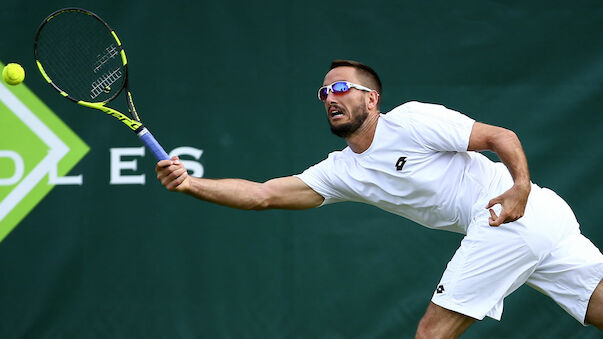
(420, 161)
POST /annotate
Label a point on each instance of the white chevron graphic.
(57, 150)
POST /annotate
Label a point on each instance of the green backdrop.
(237, 79)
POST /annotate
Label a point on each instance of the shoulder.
(324, 177)
(414, 112)
(331, 161)
(415, 107)
(338, 156)
(409, 110)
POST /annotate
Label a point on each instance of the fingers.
(513, 203)
(171, 173)
(495, 220)
(175, 178)
(508, 213)
(164, 163)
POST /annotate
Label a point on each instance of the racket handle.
(149, 140)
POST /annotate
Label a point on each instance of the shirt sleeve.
(318, 178)
(438, 128)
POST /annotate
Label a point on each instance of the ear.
(373, 100)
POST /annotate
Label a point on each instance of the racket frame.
(133, 122)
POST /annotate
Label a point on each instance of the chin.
(346, 129)
(343, 130)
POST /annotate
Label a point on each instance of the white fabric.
(441, 185)
(544, 249)
(440, 182)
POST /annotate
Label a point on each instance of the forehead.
(346, 73)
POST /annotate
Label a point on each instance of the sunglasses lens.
(340, 87)
(336, 88)
(323, 93)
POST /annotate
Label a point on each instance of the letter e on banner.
(118, 165)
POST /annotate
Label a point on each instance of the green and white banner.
(37, 150)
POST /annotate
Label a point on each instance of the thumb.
(494, 201)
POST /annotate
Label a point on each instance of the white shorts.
(543, 249)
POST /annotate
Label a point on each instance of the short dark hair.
(367, 74)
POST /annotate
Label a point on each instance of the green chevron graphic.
(35, 145)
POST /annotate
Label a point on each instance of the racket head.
(80, 56)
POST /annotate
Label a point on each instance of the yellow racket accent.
(123, 57)
(123, 54)
(116, 38)
(43, 72)
(133, 109)
(132, 124)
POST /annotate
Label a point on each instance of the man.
(419, 161)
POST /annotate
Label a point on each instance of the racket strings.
(110, 52)
(81, 57)
(104, 83)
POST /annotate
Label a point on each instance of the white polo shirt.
(417, 166)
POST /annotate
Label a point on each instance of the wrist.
(523, 186)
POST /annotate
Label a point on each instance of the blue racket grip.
(149, 140)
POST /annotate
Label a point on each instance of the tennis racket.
(82, 58)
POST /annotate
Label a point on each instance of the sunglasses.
(339, 87)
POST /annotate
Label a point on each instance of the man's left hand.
(513, 204)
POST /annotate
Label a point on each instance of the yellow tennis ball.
(13, 74)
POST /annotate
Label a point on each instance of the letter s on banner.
(194, 167)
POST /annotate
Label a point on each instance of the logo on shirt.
(400, 163)
(440, 289)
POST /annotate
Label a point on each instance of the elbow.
(489, 138)
(511, 138)
(253, 203)
(261, 200)
(511, 135)
(260, 205)
(503, 137)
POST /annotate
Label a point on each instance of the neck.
(362, 138)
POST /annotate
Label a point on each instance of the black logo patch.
(440, 289)
(400, 163)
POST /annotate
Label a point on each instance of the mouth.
(335, 111)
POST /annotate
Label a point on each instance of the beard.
(347, 129)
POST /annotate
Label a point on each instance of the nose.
(330, 101)
(332, 104)
(330, 97)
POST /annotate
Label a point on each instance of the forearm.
(285, 193)
(235, 193)
(508, 148)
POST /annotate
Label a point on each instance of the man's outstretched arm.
(507, 146)
(284, 193)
